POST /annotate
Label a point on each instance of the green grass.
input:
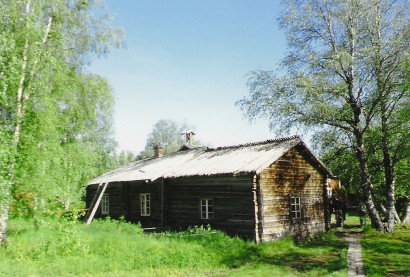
(323, 255)
(387, 254)
(110, 248)
(107, 248)
(384, 254)
(115, 248)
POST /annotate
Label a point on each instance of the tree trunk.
(6, 189)
(388, 170)
(383, 91)
(406, 215)
(3, 226)
(366, 184)
(4, 217)
(20, 91)
(396, 215)
(326, 203)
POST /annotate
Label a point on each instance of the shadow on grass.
(325, 252)
(387, 254)
(305, 262)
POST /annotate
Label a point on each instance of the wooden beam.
(97, 203)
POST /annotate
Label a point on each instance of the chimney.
(159, 151)
(189, 137)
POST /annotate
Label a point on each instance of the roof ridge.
(255, 143)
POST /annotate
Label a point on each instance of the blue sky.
(187, 60)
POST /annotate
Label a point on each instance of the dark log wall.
(116, 200)
(233, 203)
(236, 200)
(293, 173)
(154, 189)
(124, 200)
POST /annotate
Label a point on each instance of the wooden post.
(162, 202)
(326, 204)
(255, 190)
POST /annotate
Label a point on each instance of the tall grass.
(113, 247)
(116, 248)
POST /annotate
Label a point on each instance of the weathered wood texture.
(293, 173)
(253, 207)
(232, 197)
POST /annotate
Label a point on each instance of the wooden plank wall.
(116, 203)
(233, 203)
(154, 189)
(124, 200)
(293, 173)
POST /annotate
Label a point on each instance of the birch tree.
(43, 44)
(168, 134)
(342, 75)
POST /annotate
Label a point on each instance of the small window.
(207, 208)
(105, 204)
(295, 207)
(145, 204)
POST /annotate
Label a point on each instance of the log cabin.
(259, 191)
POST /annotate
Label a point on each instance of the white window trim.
(296, 207)
(105, 204)
(145, 199)
(206, 203)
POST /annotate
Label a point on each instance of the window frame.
(145, 204)
(105, 204)
(296, 207)
(209, 204)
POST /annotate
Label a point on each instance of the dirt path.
(354, 256)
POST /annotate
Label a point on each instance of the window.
(295, 207)
(105, 204)
(145, 200)
(207, 211)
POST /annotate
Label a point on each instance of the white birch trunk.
(20, 91)
(4, 217)
(406, 215)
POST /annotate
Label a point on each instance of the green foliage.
(65, 143)
(55, 119)
(166, 133)
(344, 76)
(125, 157)
(6, 157)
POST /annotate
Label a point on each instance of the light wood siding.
(233, 204)
(293, 173)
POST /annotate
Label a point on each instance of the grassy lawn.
(115, 248)
(387, 254)
(324, 255)
(384, 254)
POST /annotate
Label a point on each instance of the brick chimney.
(158, 151)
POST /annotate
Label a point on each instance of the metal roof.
(245, 158)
